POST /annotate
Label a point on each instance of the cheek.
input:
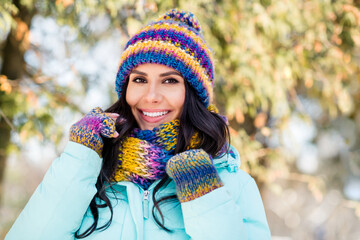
(131, 97)
(178, 99)
(129, 100)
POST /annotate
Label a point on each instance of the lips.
(153, 115)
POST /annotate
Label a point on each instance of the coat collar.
(230, 161)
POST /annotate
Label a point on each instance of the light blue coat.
(59, 205)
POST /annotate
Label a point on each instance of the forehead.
(154, 68)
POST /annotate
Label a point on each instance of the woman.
(156, 164)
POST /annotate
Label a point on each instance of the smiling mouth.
(155, 114)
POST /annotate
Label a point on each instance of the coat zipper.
(146, 204)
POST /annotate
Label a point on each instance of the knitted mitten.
(193, 173)
(91, 127)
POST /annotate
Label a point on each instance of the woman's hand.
(92, 126)
(193, 173)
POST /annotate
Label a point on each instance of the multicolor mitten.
(193, 173)
(91, 127)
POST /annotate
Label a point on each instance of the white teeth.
(155, 114)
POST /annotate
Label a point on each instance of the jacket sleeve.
(218, 215)
(57, 207)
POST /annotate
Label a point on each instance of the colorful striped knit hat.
(174, 40)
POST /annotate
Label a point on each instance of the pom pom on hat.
(182, 16)
(174, 40)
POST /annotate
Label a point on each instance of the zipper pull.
(146, 204)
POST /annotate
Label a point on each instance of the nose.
(153, 93)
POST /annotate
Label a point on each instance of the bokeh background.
(288, 78)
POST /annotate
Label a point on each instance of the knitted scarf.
(144, 154)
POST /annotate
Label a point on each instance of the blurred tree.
(28, 96)
(269, 55)
(13, 68)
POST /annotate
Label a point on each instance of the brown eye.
(171, 81)
(139, 80)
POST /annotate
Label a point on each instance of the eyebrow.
(161, 75)
(138, 72)
(170, 73)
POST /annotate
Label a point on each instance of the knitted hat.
(174, 40)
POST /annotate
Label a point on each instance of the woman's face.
(155, 94)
